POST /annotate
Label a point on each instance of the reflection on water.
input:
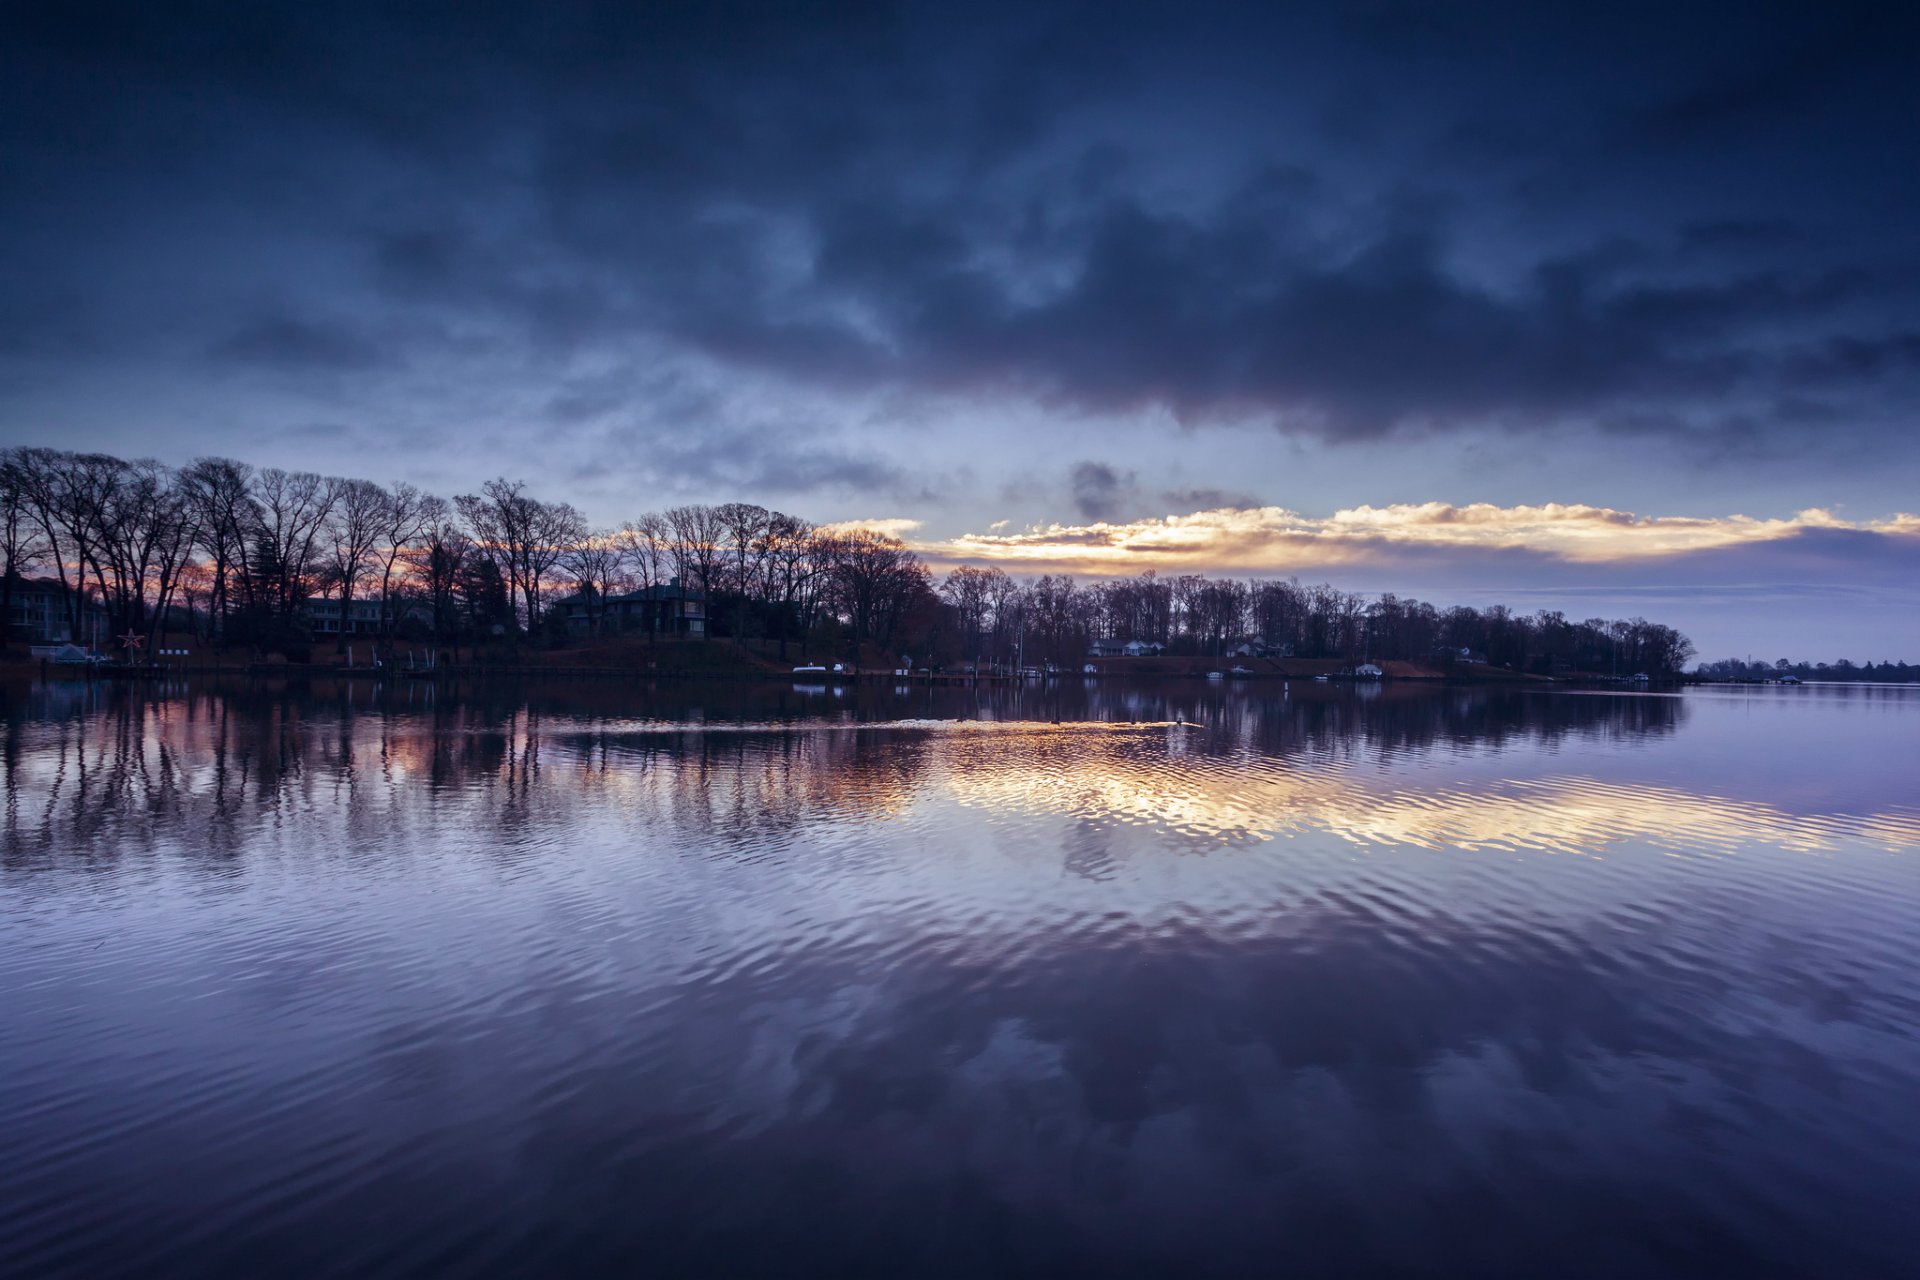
(1094, 978)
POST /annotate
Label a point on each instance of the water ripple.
(1146, 980)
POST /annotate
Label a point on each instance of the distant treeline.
(1781, 668)
(240, 554)
(1055, 619)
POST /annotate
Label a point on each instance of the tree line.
(1844, 669)
(239, 553)
(1053, 619)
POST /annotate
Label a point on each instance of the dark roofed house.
(1256, 647)
(331, 617)
(38, 613)
(1447, 654)
(667, 609)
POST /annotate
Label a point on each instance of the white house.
(62, 654)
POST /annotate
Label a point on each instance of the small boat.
(1321, 679)
(1216, 675)
(810, 670)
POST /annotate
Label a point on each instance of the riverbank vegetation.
(1844, 670)
(265, 562)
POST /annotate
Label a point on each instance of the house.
(1106, 649)
(64, 655)
(328, 617)
(342, 617)
(1463, 655)
(668, 609)
(38, 613)
(1254, 647)
(1142, 648)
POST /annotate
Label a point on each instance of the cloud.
(1277, 540)
(1207, 499)
(287, 344)
(1449, 229)
(763, 463)
(901, 527)
(1099, 490)
(1811, 583)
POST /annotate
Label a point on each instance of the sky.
(1610, 309)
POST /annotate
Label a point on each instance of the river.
(1082, 979)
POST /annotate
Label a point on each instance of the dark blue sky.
(966, 265)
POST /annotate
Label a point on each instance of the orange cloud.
(900, 527)
(1277, 540)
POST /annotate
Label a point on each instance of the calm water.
(1150, 980)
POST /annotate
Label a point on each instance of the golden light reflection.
(742, 782)
(1125, 779)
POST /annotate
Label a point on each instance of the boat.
(1216, 675)
(812, 669)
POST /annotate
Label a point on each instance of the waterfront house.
(64, 655)
(1463, 656)
(667, 609)
(342, 617)
(38, 613)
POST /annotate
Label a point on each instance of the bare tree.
(404, 517)
(698, 537)
(497, 516)
(129, 524)
(744, 526)
(354, 527)
(596, 561)
(875, 580)
(971, 592)
(523, 536)
(557, 527)
(64, 493)
(437, 560)
(194, 585)
(22, 543)
(1003, 615)
(787, 565)
(293, 508)
(221, 491)
(645, 545)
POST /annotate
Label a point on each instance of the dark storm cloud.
(1099, 491)
(1209, 499)
(1102, 491)
(283, 342)
(767, 460)
(1353, 224)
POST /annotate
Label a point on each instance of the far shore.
(636, 658)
